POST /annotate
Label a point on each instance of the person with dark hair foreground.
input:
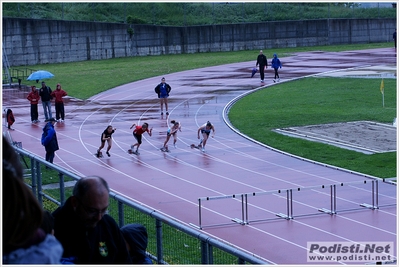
(87, 233)
(136, 238)
(24, 242)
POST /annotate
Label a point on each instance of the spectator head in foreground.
(90, 200)
(136, 238)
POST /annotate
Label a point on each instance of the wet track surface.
(173, 182)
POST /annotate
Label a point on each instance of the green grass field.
(313, 101)
(303, 102)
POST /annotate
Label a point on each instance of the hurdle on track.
(292, 195)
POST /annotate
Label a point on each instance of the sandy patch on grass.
(362, 136)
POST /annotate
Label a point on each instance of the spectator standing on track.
(87, 233)
(205, 130)
(276, 63)
(34, 97)
(24, 242)
(106, 136)
(45, 94)
(163, 89)
(136, 238)
(138, 134)
(262, 62)
(49, 140)
(172, 131)
(59, 93)
(394, 38)
(10, 119)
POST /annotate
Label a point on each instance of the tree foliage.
(191, 13)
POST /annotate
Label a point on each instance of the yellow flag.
(382, 86)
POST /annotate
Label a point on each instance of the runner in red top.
(137, 133)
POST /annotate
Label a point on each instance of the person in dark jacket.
(49, 140)
(34, 97)
(276, 64)
(262, 62)
(136, 238)
(85, 230)
(394, 38)
(163, 90)
(45, 95)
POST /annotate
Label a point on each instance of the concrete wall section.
(31, 42)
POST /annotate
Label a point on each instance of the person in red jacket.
(10, 119)
(137, 133)
(34, 97)
(58, 94)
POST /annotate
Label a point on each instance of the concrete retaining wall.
(31, 42)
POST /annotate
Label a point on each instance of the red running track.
(173, 182)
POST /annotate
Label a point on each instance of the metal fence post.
(204, 252)
(62, 188)
(121, 214)
(158, 226)
(34, 180)
(39, 190)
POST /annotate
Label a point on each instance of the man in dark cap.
(136, 238)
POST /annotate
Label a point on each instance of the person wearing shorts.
(205, 130)
(106, 136)
(172, 131)
(138, 133)
(163, 90)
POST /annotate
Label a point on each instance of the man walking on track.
(262, 62)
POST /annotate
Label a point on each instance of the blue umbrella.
(40, 75)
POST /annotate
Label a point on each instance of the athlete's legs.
(109, 141)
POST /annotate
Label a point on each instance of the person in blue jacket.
(163, 90)
(49, 140)
(276, 64)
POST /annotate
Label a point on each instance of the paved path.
(173, 182)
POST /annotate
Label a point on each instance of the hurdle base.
(327, 211)
(284, 216)
(365, 205)
(238, 221)
(196, 226)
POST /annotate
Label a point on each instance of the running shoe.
(109, 155)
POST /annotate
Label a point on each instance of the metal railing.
(170, 241)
